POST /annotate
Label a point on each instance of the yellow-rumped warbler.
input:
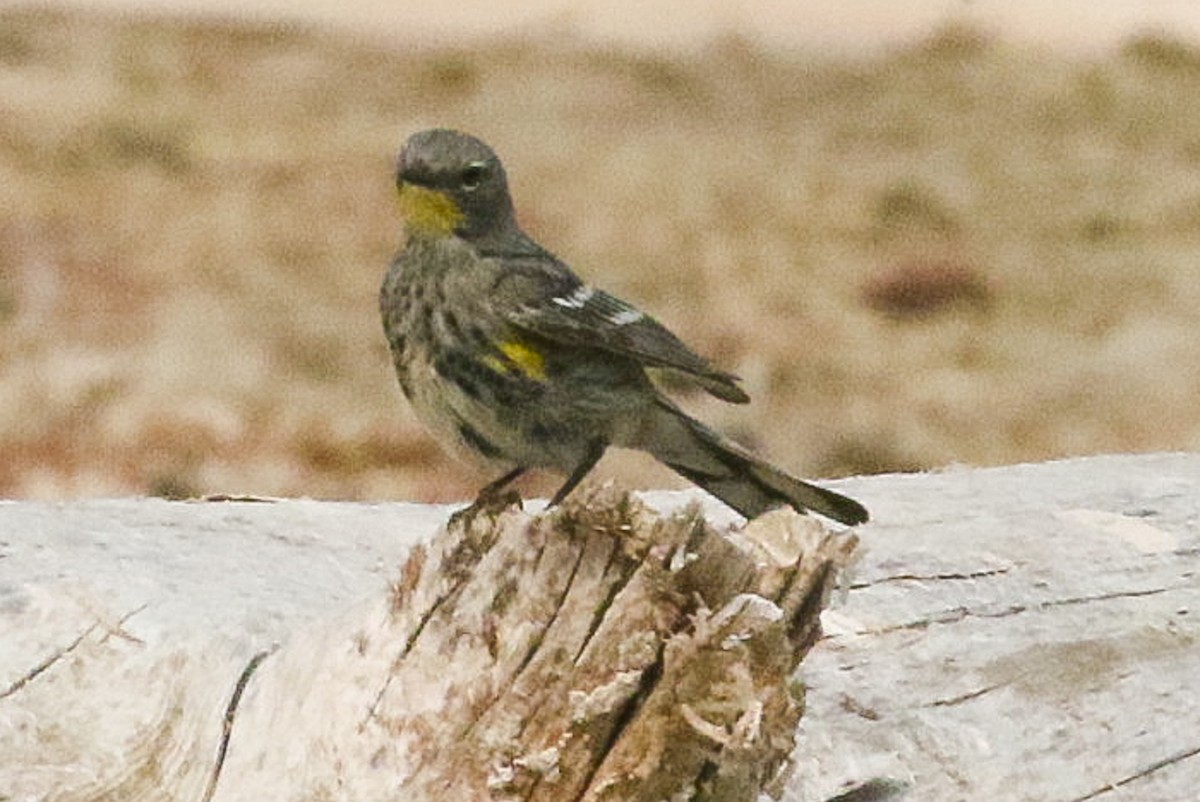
(508, 356)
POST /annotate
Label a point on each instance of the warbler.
(512, 360)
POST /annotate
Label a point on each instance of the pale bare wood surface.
(1021, 633)
(1024, 633)
(125, 625)
(599, 652)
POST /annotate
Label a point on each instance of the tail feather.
(734, 475)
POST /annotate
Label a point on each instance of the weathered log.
(1020, 633)
(1029, 633)
(597, 652)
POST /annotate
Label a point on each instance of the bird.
(511, 360)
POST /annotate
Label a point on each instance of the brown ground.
(958, 252)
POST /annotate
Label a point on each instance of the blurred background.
(946, 233)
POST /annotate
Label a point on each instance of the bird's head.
(451, 183)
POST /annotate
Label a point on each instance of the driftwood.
(1026, 633)
(597, 652)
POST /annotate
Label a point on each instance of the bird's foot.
(491, 504)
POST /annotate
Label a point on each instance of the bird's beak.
(401, 168)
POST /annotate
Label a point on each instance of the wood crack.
(601, 611)
(231, 709)
(950, 576)
(1121, 594)
(530, 653)
(966, 697)
(650, 677)
(536, 645)
(459, 563)
(46, 664)
(956, 614)
(54, 658)
(1157, 765)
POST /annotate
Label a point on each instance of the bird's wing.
(544, 298)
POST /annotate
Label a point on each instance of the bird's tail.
(731, 473)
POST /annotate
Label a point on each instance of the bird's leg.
(594, 453)
(492, 488)
(489, 497)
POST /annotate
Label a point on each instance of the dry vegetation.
(959, 252)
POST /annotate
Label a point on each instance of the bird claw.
(491, 504)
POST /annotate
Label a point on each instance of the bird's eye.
(473, 175)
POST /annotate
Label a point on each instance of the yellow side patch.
(525, 358)
(427, 211)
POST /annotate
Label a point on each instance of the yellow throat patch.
(428, 212)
